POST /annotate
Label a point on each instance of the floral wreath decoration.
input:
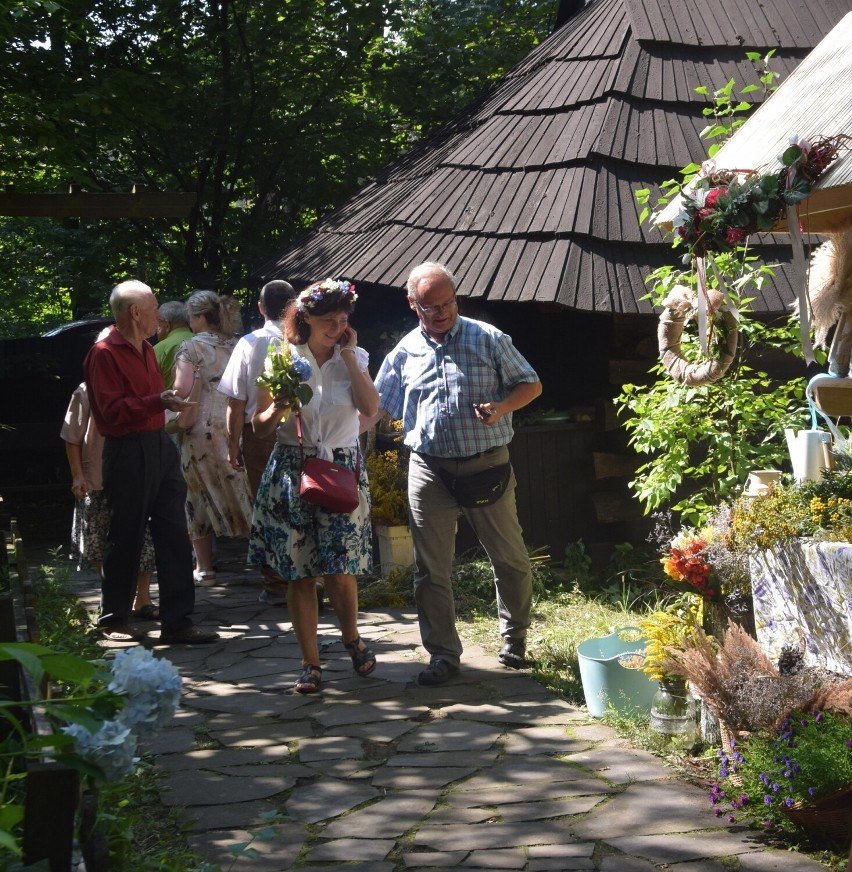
(724, 207)
(679, 305)
(325, 290)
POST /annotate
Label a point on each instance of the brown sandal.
(361, 657)
(310, 679)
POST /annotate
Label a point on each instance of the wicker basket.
(829, 816)
(728, 737)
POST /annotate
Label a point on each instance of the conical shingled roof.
(530, 193)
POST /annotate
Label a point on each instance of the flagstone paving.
(377, 774)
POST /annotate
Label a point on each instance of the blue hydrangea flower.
(150, 686)
(302, 367)
(112, 748)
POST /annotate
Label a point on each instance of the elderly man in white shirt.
(238, 384)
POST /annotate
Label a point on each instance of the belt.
(461, 459)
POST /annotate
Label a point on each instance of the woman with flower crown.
(298, 540)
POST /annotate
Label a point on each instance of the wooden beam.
(80, 204)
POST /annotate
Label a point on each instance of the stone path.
(377, 774)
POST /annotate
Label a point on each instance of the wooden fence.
(52, 791)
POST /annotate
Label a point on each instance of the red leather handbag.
(328, 485)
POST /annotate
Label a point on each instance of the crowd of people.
(174, 444)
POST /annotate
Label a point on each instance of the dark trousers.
(143, 484)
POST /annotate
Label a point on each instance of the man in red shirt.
(143, 482)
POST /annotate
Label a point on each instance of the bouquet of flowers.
(286, 374)
(725, 206)
(686, 561)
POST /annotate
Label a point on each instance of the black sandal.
(360, 657)
(310, 679)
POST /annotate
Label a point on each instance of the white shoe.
(204, 577)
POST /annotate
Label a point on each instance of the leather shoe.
(190, 635)
(437, 672)
(513, 653)
(122, 632)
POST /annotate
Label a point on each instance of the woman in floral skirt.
(298, 540)
(218, 500)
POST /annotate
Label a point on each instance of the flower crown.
(320, 291)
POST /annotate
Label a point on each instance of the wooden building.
(529, 197)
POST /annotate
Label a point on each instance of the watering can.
(809, 453)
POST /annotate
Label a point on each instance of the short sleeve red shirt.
(124, 386)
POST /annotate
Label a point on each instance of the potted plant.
(796, 774)
(388, 475)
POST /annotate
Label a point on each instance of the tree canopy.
(271, 111)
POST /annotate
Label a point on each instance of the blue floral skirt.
(300, 540)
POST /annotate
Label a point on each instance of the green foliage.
(577, 564)
(703, 441)
(396, 591)
(62, 619)
(272, 114)
(711, 437)
(724, 112)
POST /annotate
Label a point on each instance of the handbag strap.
(302, 449)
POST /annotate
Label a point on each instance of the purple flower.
(811, 791)
(767, 799)
(789, 802)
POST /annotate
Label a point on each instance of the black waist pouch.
(480, 489)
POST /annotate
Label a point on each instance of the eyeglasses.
(436, 310)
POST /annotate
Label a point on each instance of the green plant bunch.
(809, 756)
(388, 474)
(703, 441)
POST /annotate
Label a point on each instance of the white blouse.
(330, 420)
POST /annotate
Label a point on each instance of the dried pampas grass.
(830, 283)
(743, 686)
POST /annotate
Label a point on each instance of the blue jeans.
(434, 513)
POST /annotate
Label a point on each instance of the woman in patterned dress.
(218, 499)
(298, 540)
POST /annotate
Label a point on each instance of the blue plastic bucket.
(606, 681)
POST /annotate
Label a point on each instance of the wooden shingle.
(529, 194)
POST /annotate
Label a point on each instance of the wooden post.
(49, 809)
